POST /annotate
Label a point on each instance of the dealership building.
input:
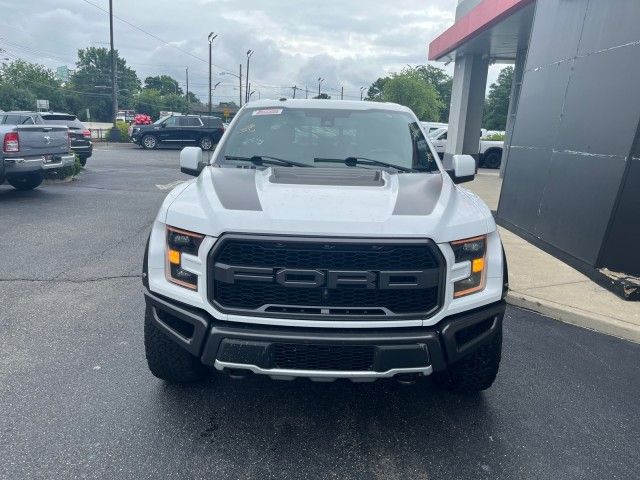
(571, 162)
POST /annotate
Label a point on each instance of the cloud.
(349, 43)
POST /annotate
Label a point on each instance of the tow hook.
(406, 378)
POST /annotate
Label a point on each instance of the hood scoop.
(352, 177)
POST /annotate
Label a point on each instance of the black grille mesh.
(323, 357)
(321, 255)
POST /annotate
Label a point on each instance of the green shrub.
(64, 172)
(496, 137)
(124, 132)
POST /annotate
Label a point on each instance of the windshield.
(436, 133)
(161, 119)
(304, 134)
(69, 120)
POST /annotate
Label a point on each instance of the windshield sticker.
(267, 111)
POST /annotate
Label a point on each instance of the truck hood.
(326, 202)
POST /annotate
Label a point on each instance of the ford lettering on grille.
(298, 278)
(338, 278)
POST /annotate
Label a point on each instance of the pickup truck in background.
(79, 135)
(490, 151)
(29, 150)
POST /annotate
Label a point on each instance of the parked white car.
(432, 126)
(490, 151)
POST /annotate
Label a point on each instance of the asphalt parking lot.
(77, 400)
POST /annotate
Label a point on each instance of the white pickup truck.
(325, 240)
(490, 151)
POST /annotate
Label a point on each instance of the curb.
(573, 316)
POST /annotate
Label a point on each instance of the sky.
(349, 43)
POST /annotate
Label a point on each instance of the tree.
(411, 90)
(322, 96)
(375, 90)
(193, 98)
(442, 82)
(497, 105)
(164, 84)
(22, 83)
(92, 82)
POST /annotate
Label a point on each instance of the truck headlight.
(178, 243)
(472, 250)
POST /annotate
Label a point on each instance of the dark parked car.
(80, 136)
(204, 132)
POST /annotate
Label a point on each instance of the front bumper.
(230, 346)
(22, 165)
(83, 150)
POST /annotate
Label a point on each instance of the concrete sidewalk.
(540, 282)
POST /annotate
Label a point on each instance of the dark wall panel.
(598, 33)
(541, 98)
(519, 201)
(602, 104)
(576, 204)
(556, 31)
(621, 250)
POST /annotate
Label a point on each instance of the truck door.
(169, 132)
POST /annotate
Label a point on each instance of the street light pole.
(361, 90)
(211, 38)
(249, 54)
(240, 78)
(320, 80)
(187, 96)
(115, 133)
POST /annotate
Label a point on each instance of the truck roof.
(332, 104)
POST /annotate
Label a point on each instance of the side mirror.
(191, 161)
(464, 168)
(163, 125)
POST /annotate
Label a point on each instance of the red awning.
(481, 18)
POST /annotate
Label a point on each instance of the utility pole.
(115, 133)
(211, 38)
(240, 77)
(320, 80)
(249, 54)
(306, 91)
(295, 87)
(361, 90)
(341, 93)
(187, 97)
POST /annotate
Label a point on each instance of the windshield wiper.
(354, 161)
(262, 159)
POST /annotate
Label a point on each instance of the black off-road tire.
(492, 159)
(149, 142)
(28, 181)
(83, 161)
(167, 360)
(475, 372)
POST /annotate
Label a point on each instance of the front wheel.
(493, 159)
(206, 143)
(150, 142)
(167, 360)
(82, 160)
(475, 372)
(27, 181)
